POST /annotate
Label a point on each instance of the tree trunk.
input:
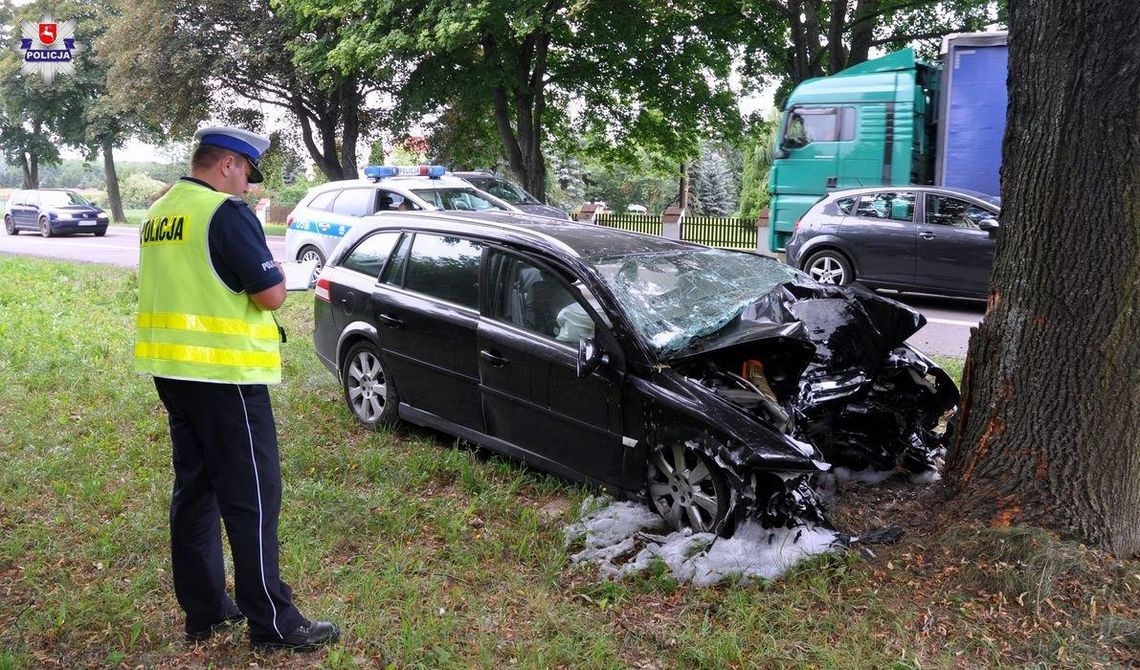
(112, 179)
(30, 164)
(862, 32)
(1050, 425)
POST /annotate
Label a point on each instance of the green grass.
(428, 553)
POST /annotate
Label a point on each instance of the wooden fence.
(715, 231)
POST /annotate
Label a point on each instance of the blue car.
(53, 211)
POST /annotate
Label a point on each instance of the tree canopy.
(613, 76)
(185, 62)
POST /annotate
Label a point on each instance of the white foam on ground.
(615, 531)
(867, 476)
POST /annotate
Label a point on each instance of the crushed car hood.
(844, 326)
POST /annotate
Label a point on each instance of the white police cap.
(250, 145)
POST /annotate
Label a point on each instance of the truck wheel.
(829, 267)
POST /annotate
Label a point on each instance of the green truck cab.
(892, 120)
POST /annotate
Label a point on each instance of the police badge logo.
(48, 47)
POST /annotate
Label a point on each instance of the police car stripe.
(257, 484)
(320, 228)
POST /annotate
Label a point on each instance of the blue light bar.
(380, 171)
(377, 172)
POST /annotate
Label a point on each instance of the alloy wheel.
(366, 386)
(827, 270)
(686, 490)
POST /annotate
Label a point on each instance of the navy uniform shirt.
(238, 250)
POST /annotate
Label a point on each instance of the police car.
(329, 211)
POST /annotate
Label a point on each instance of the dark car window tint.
(390, 201)
(369, 255)
(942, 210)
(846, 205)
(355, 202)
(535, 299)
(394, 270)
(324, 201)
(446, 268)
(889, 205)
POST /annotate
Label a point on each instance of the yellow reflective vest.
(190, 325)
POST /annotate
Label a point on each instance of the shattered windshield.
(677, 296)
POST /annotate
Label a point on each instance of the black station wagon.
(712, 383)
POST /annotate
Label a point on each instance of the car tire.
(829, 267)
(101, 232)
(308, 253)
(688, 490)
(45, 227)
(10, 225)
(368, 389)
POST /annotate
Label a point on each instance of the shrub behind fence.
(715, 231)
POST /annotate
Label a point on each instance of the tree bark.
(522, 140)
(1050, 424)
(114, 198)
(30, 164)
(862, 32)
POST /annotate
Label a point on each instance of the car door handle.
(927, 235)
(389, 320)
(493, 358)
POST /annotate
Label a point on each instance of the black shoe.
(307, 637)
(205, 633)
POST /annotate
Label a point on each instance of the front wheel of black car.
(368, 389)
(45, 227)
(829, 267)
(688, 490)
(10, 226)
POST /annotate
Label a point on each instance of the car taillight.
(322, 291)
(289, 220)
(797, 224)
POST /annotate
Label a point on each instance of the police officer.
(208, 286)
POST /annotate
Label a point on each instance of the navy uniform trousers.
(226, 465)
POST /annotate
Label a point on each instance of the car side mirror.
(989, 225)
(589, 357)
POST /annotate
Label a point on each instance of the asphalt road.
(946, 334)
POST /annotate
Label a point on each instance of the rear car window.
(370, 254)
(355, 202)
(846, 205)
(446, 268)
(323, 201)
